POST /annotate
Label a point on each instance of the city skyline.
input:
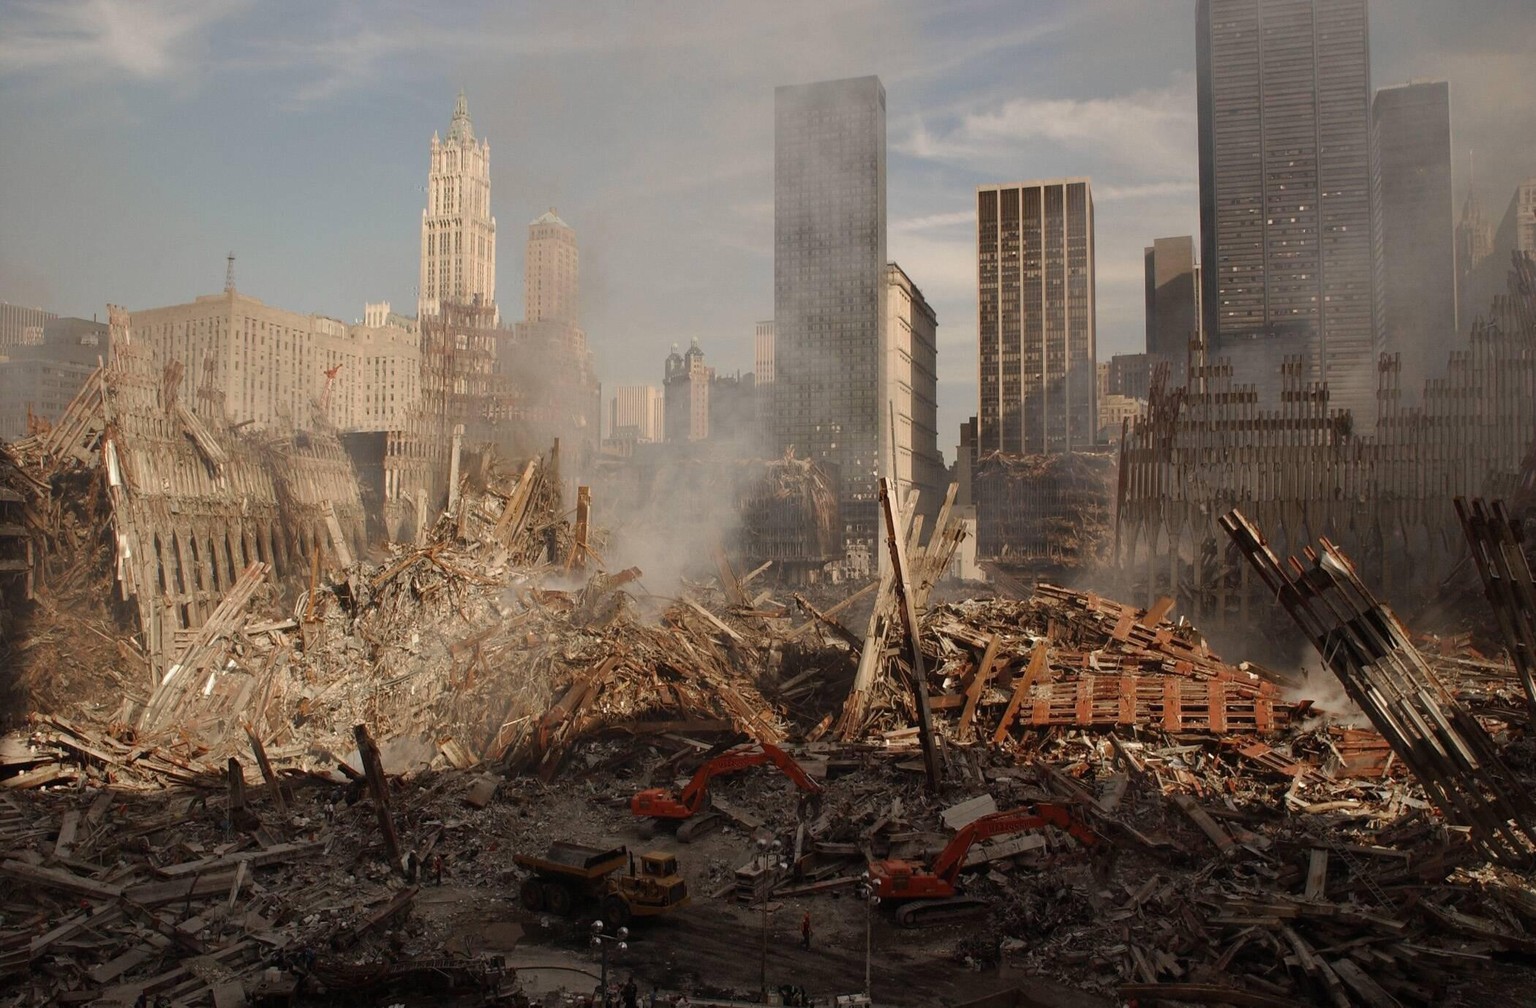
(172, 135)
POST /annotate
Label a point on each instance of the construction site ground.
(250, 792)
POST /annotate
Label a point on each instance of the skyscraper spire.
(458, 233)
(461, 130)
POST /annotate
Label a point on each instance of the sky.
(141, 141)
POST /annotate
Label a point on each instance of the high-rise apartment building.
(636, 414)
(21, 326)
(762, 352)
(246, 361)
(545, 358)
(912, 386)
(1516, 232)
(1034, 250)
(1286, 222)
(1418, 249)
(552, 272)
(1474, 243)
(41, 375)
(829, 286)
(1173, 302)
(458, 233)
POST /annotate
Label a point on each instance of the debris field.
(318, 790)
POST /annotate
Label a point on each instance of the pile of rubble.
(490, 688)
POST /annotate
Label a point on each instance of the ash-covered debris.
(219, 828)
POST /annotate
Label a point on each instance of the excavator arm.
(947, 865)
(655, 801)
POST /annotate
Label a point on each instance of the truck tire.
(557, 898)
(532, 894)
(615, 910)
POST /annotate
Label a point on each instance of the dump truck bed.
(570, 859)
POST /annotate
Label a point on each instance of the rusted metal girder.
(1498, 549)
(909, 617)
(1370, 653)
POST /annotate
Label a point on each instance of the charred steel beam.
(1370, 653)
(1498, 549)
(909, 617)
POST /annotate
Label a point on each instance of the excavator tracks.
(697, 826)
(934, 912)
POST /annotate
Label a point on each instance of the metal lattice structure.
(1368, 650)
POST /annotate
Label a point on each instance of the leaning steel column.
(1370, 653)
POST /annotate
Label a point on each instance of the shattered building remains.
(493, 687)
(1044, 511)
(1303, 470)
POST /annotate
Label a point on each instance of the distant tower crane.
(325, 397)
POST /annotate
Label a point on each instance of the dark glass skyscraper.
(1413, 155)
(1286, 223)
(1035, 311)
(1173, 302)
(829, 285)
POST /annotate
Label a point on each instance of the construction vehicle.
(659, 804)
(927, 896)
(569, 874)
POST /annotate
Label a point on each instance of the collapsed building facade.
(1043, 512)
(179, 546)
(1303, 471)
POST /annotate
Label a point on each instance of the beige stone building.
(911, 386)
(458, 233)
(552, 272)
(244, 361)
(762, 352)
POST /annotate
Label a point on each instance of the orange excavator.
(660, 804)
(927, 896)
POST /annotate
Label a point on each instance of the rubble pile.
(58, 635)
(1045, 512)
(456, 651)
(308, 758)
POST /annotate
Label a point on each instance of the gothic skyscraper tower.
(458, 233)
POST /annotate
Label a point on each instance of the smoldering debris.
(211, 817)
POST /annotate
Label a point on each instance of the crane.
(931, 895)
(661, 804)
(330, 379)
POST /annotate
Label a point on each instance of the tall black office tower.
(1418, 231)
(1286, 221)
(829, 286)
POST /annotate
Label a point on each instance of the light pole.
(867, 894)
(601, 941)
(767, 856)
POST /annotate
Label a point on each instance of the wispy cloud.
(934, 222)
(1145, 190)
(1148, 132)
(145, 39)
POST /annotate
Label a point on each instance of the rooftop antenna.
(229, 273)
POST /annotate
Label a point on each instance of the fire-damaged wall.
(1303, 471)
(193, 507)
(1048, 511)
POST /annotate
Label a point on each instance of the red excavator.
(930, 895)
(661, 804)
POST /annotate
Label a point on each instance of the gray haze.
(139, 142)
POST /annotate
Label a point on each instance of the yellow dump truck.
(568, 875)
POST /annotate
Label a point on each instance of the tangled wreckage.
(251, 743)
